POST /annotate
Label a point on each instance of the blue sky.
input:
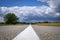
(31, 10)
(10, 3)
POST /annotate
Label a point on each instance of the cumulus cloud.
(54, 7)
(1, 19)
(54, 4)
(31, 13)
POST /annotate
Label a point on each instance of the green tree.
(10, 18)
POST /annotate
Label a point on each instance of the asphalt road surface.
(9, 32)
(44, 32)
(47, 32)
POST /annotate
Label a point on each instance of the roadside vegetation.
(48, 24)
(3, 24)
(38, 24)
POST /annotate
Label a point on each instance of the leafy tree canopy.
(10, 18)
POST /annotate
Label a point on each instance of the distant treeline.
(30, 22)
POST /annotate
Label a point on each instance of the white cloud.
(54, 4)
(57, 14)
(25, 10)
(1, 19)
(28, 12)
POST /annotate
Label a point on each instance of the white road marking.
(27, 34)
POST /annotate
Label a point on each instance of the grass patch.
(47, 24)
(11, 24)
(39, 24)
